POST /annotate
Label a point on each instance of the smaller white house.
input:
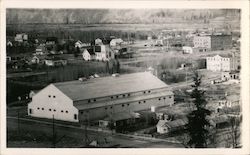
(164, 126)
(187, 49)
(159, 42)
(88, 54)
(9, 43)
(116, 42)
(32, 93)
(78, 44)
(40, 50)
(55, 62)
(98, 41)
(21, 37)
(35, 60)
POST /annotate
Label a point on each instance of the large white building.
(97, 98)
(221, 63)
(100, 53)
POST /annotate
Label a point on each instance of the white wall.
(57, 101)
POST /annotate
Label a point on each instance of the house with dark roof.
(97, 98)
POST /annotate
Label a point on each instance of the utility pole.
(54, 134)
(18, 121)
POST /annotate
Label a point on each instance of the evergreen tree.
(197, 126)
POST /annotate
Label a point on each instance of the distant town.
(125, 89)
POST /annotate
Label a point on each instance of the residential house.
(41, 50)
(159, 42)
(88, 54)
(230, 101)
(55, 61)
(32, 93)
(221, 63)
(51, 41)
(116, 42)
(233, 75)
(187, 50)
(103, 53)
(164, 126)
(21, 37)
(119, 120)
(97, 98)
(9, 43)
(98, 41)
(80, 44)
(8, 58)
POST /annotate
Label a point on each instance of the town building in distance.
(222, 63)
(213, 42)
(100, 97)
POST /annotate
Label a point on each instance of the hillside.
(121, 16)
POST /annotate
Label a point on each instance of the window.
(38, 108)
(170, 97)
(123, 95)
(49, 96)
(111, 107)
(30, 111)
(164, 98)
(111, 97)
(49, 109)
(106, 108)
(94, 100)
(139, 102)
(61, 110)
(149, 91)
(159, 99)
(144, 92)
(128, 94)
(144, 101)
(128, 104)
(67, 111)
(117, 96)
(88, 101)
(81, 112)
(75, 116)
(54, 109)
(54, 96)
(122, 105)
(42, 108)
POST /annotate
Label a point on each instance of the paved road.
(79, 133)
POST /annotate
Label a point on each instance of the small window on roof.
(67, 111)
(149, 91)
(49, 96)
(54, 96)
(61, 110)
(38, 108)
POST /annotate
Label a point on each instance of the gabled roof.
(173, 124)
(109, 86)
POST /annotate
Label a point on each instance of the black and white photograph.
(124, 78)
